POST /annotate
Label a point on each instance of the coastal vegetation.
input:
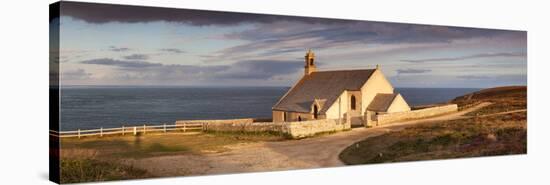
(498, 129)
(82, 165)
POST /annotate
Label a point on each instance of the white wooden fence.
(133, 130)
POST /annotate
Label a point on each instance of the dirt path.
(314, 152)
(502, 113)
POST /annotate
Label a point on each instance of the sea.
(92, 107)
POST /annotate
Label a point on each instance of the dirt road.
(314, 152)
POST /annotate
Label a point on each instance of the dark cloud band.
(137, 57)
(121, 63)
(482, 55)
(412, 71)
(248, 69)
(118, 49)
(172, 50)
(104, 13)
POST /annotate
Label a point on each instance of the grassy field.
(481, 135)
(101, 159)
(503, 99)
(80, 165)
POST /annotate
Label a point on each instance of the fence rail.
(134, 130)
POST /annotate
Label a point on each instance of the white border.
(24, 82)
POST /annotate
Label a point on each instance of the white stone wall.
(220, 121)
(415, 114)
(236, 125)
(310, 128)
(297, 129)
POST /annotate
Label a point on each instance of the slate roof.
(325, 85)
(381, 102)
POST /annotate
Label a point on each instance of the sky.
(103, 44)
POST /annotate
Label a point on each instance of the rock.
(491, 137)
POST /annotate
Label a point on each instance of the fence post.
(123, 129)
(165, 128)
(144, 129)
(78, 133)
(135, 130)
(101, 132)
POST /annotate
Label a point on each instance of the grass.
(82, 165)
(86, 170)
(503, 99)
(472, 137)
(164, 144)
(101, 158)
(502, 105)
(487, 136)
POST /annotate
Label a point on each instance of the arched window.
(299, 118)
(315, 111)
(353, 102)
(310, 61)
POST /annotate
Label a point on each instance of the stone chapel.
(350, 95)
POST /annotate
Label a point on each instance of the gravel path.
(313, 152)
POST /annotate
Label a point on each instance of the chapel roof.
(382, 102)
(326, 85)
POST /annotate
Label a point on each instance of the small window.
(284, 116)
(299, 118)
(353, 102)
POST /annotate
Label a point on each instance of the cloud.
(78, 74)
(148, 72)
(274, 35)
(275, 26)
(286, 36)
(361, 31)
(482, 55)
(412, 71)
(120, 63)
(431, 80)
(136, 57)
(493, 80)
(510, 78)
(261, 69)
(252, 70)
(172, 50)
(474, 77)
(267, 37)
(118, 49)
(105, 13)
(163, 51)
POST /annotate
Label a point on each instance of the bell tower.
(310, 63)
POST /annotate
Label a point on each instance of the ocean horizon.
(91, 106)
